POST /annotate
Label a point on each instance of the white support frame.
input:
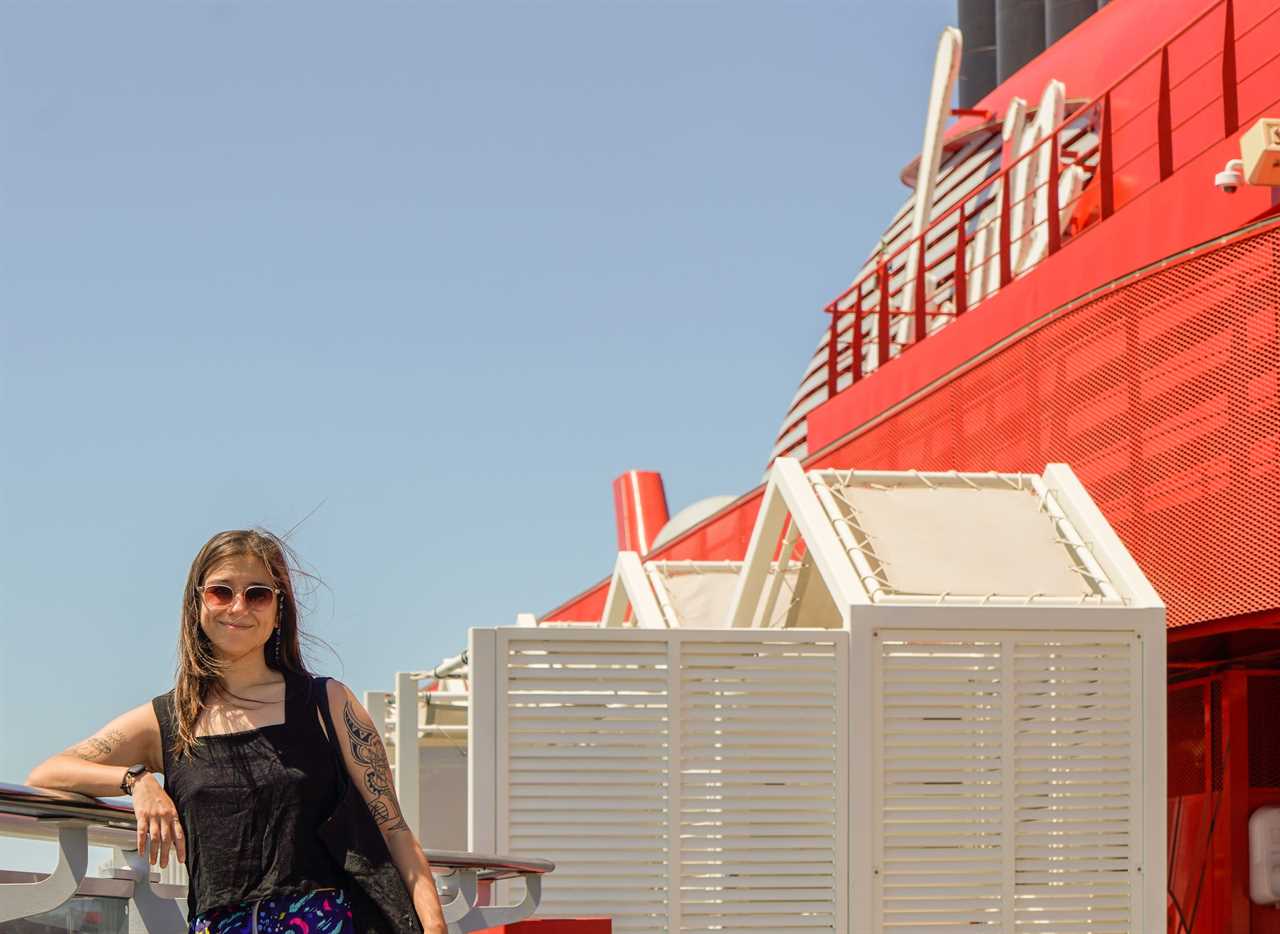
(788, 491)
(24, 899)
(630, 586)
(408, 761)
(946, 69)
(774, 588)
(1120, 567)
(1098, 535)
(482, 743)
(376, 703)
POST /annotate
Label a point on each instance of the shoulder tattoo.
(371, 760)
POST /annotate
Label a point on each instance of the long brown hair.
(199, 669)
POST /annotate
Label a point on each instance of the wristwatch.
(131, 775)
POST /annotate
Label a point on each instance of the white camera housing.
(1260, 152)
(1231, 177)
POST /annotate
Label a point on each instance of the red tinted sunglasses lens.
(218, 595)
(258, 598)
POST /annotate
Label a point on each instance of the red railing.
(1150, 122)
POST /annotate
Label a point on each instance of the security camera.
(1231, 177)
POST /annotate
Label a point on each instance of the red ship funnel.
(640, 507)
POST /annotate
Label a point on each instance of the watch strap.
(131, 776)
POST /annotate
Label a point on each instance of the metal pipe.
(1062, 16)
(444, 669)
(1019, 34)
(977, 19)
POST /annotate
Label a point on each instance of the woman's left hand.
(158, 826)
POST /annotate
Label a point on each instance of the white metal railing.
(464, 880)
(413, 711)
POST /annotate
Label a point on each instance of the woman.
(250, 773)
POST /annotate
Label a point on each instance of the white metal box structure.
(927, 702)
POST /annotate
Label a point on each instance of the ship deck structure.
(995, 645)
(1094, 283)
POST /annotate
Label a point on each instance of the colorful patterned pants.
(324, 911)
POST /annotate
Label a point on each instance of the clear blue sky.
(445, 268)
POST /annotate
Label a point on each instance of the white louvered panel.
(758, 796)
(1078, 829)
(1007, 771)
(587, 730)
(940, 783)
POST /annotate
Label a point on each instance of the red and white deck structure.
(1067, 283)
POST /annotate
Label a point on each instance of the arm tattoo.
(367, 751)
(97, 747)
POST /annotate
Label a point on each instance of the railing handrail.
(1005, 170)
(48, 805)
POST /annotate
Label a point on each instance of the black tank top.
(250, 804)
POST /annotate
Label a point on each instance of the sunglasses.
(221, 596)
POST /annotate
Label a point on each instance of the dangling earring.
(277, 635)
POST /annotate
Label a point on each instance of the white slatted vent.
(1006, 782)
(758, 804)
(588, 735)
(731, 818)
(942, 784)
(1076, 794)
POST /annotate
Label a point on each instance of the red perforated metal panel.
(1163, 396)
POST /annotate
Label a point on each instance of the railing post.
(918, 294)
(22, 899)
(1006, 218)
(1230, 102)
(1052, 217)
(151, 912)
(408, 758)
(833, 354)
(482, 751)
(855, 367)
(1105, 167)
(960, 276)
(882, 325)
(1164, 118)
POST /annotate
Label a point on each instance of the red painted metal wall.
(1223, 764)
